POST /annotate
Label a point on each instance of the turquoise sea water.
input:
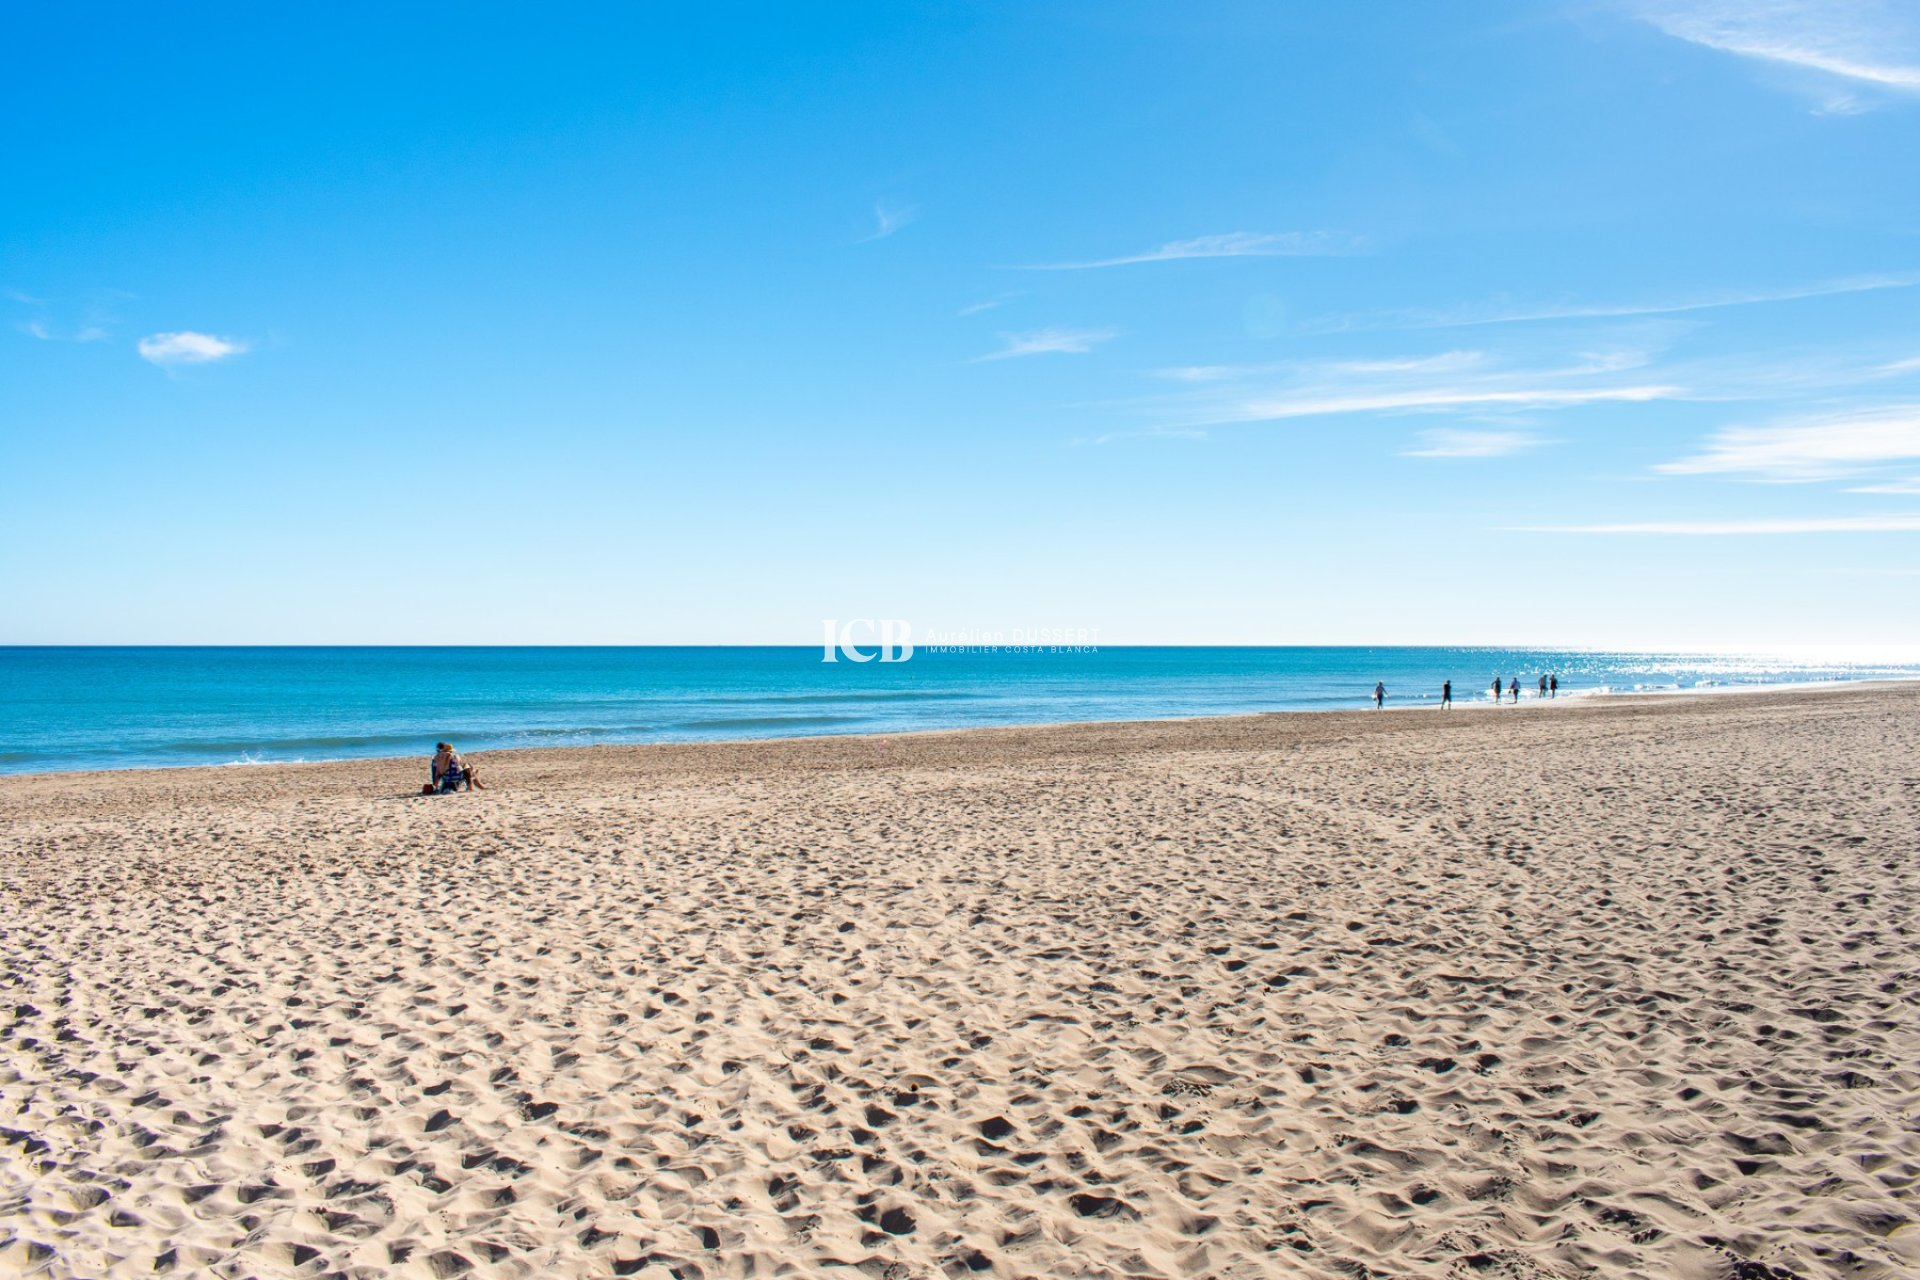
(95, 708)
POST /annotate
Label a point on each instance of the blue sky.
(1587, 323)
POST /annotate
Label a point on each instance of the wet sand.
(1625, 988)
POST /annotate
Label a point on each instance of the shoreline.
(1530, 701)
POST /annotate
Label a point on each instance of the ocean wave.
(770, 722)
(242, 747)
(877, 695)
(573, 733)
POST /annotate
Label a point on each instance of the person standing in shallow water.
(1543, 686)
(1514, 689)
(1446, 695)
(1553, 686)
(1496, 688)
(1379, 693)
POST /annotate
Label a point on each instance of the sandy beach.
(1622, 989)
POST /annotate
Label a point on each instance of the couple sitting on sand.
(450, 772)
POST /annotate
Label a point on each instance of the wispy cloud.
(1147, 433)
(1908, 523)
(1233, 244)
(988, 304)
(40, 330)
(1446, 442)
(1801, 375)
(1210, 372)
(1451, 397)
(1907, 487)
(1500, 399)
(1444, 362)
(90, 325)
(1867, 42)
(1909, 365)
(187, 347)
(1043, 342)
(889, 218)
(1503, 312)
(1824, 448)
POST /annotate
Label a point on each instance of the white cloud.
(1234, 244)
(1867, 42)
(1511, 313)
(1909, 365)
(1909, 523)
(1812, 449)
(1043, 342)
(187, 347)
(1446, 442)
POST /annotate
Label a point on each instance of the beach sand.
(1620, 989)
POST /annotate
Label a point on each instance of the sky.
(1589, 323)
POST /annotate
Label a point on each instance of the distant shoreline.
(1583, 699)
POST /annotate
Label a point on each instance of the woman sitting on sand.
(450, 772)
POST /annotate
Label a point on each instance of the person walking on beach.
(1543, 685)
(1514, 689)
(1553, 686)
(1379, 693)
(1496, 688)
(1446, 695)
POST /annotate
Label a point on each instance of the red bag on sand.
(427, 789)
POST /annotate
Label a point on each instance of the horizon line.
(1508, 646)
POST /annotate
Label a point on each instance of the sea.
(119, 708)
